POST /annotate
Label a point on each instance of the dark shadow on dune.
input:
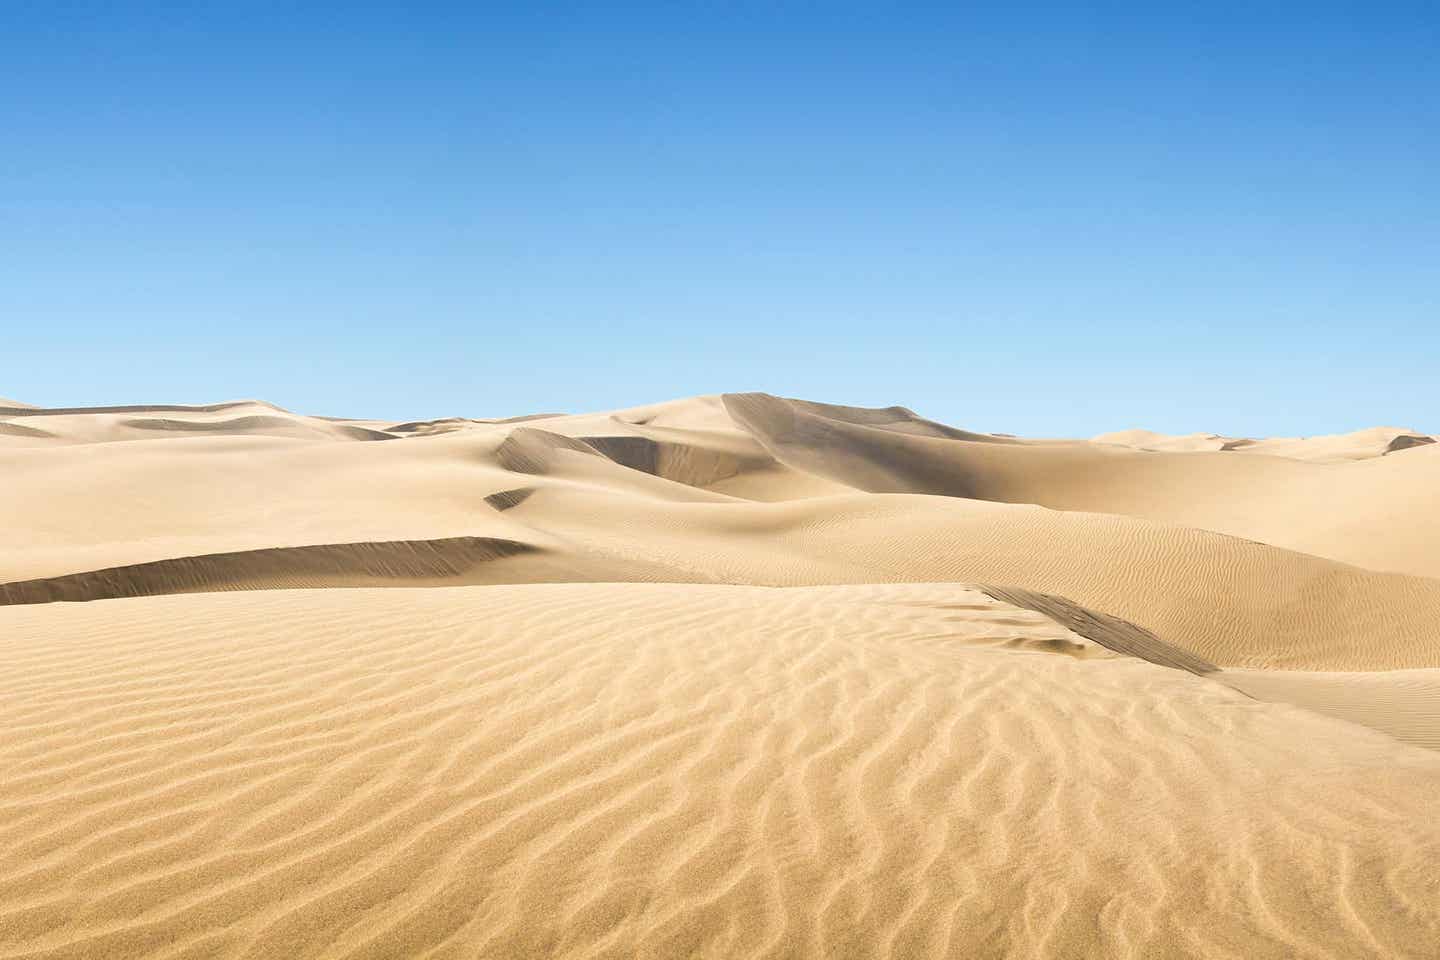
(879, 451)
(677, 462)
(1405, 441)
(372, 563)
(532, 451)
(505, 499)
(20, 430)
(895, 419)
(1122, 636)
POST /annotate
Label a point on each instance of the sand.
(732, 676)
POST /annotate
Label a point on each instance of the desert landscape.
(729, 676)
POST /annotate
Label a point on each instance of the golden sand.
(726, 677)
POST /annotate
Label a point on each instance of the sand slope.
(1229, 601)
(731, 676)
(1381, 512)
(395, 562)
(655, 494)
(670, 770)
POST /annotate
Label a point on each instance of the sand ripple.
(652, 770)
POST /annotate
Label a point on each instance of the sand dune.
(653, 494)
(246, 418)
(190, 408)
(669, 770)
(255, 426)
(1328, 509)
(731, 676)
(1139, 439)
(1333, 448)
(620, 505)
(1228, 601)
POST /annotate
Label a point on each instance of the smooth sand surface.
(729, 676)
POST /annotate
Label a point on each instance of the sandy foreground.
(730, 676)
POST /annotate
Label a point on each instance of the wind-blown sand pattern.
(725, 677)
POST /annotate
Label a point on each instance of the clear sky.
(1046, 219)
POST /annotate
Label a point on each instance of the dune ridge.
(248, 425)
(319, 565)
(13, 409)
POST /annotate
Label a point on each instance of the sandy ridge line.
(329, 564)
(9, 411)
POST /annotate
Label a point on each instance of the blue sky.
(1035, 218)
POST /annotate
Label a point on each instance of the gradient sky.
(1046, 219)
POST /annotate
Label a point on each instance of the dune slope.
(1382, 511)
(592, 770)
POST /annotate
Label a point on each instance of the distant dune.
(1359, 445)
(731, 676)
